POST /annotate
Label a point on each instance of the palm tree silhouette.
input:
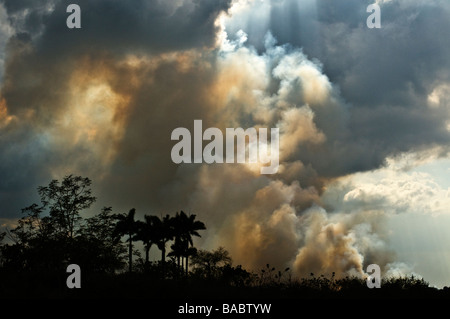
(127, 226)
(179, 248)
(147, 234)
(184, 228)
(163, 229)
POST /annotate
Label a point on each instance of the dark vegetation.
(53, 234)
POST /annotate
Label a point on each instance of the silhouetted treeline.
(53, 234)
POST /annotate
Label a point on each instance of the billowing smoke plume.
(103, 100)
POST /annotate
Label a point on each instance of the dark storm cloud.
(44, 51)
(395, 64)
(381, 77)
(384, 76)
(41, 58)
(166, 99)
(118, 25)
(101, 101)
(387, 74)
(19, 181)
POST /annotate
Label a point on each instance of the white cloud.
(392, 189)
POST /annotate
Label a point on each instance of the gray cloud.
(118, 26)
(102, 101)
(43, 56)
(383, 75)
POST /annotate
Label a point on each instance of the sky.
(363, 115)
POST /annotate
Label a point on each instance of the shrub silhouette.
(210, 264)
